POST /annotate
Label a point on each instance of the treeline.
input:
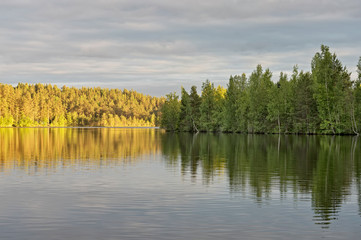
(46, 105)
(324, 101)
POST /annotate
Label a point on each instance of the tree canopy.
(46, 105)
(323, 101)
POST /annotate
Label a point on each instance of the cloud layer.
(156, 46)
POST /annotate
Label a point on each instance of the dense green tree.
(185, 120)
(281, 104)
(260, 85)
(243, 105)
(325, 101)
(332, 82)
(217, 113)
(195, 101)
(305, 119)
(208, 107)
(274, 106)
(170, 112)
(231, 120)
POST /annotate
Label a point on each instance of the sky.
(157, 46)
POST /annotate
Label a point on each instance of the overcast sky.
(156, 46)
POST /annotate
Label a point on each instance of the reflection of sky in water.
(153, 197)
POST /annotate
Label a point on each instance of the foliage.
(195, 102)
(207, 107)
(323, 101)
(260, 86)
(331, 82)
(231, 120)
(305, 118)
(46, 105)
(186, 117)
(171, 112)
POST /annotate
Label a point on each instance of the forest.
(323, 101)
(41, 105)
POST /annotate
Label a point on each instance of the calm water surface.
(149, 184)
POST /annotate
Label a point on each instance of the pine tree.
(185, 116)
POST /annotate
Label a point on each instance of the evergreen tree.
(207, 107)
(185, 121)
(231, 120)
(195, 102)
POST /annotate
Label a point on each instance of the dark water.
(148, 184)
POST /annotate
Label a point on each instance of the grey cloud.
(158, 45)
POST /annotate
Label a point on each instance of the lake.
(113, 183)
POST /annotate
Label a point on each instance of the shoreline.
(270, 133)
(203, 132)
(88, 127)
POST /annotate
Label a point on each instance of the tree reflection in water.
(36, 149)
(322, 168)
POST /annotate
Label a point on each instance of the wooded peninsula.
(48, 106)
(323, 101)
